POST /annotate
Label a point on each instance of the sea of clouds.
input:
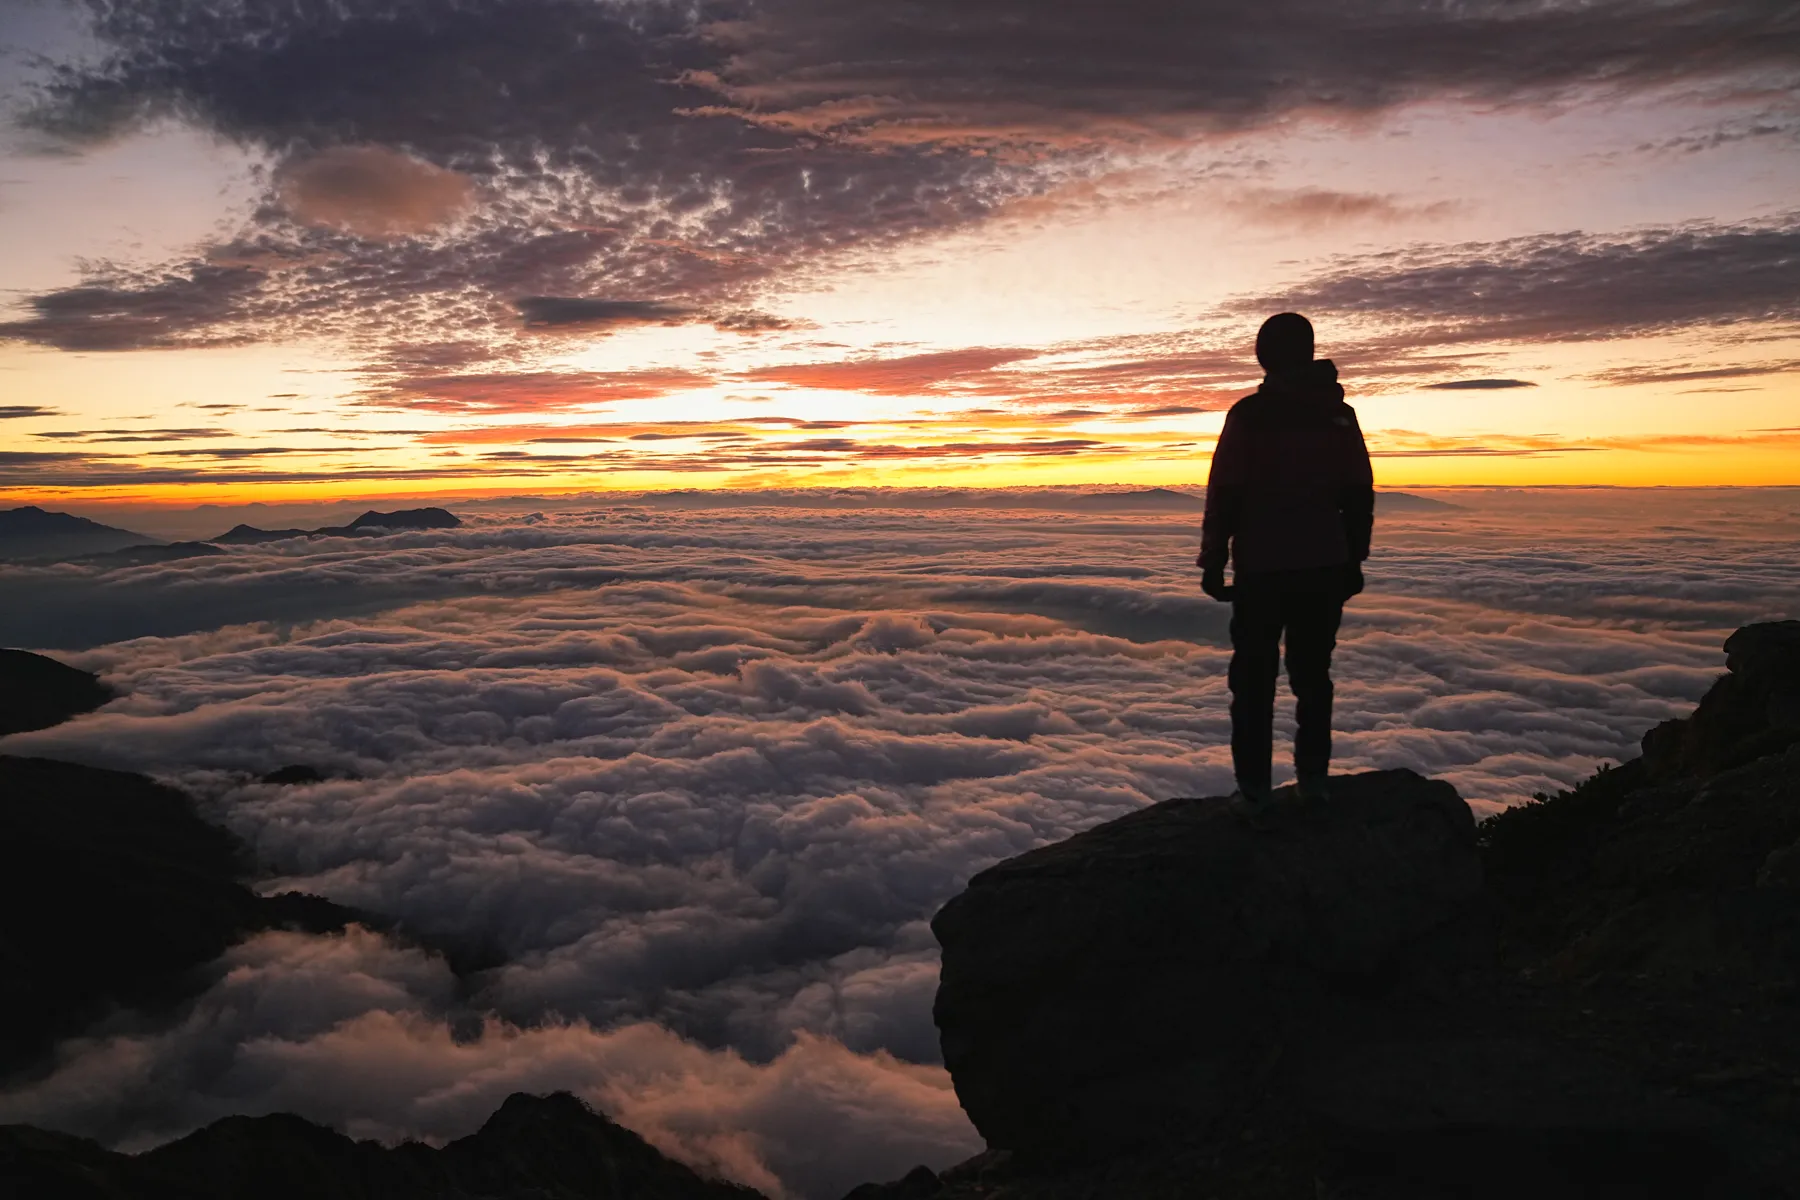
(678, 792)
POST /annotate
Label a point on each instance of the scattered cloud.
(528, 391)
(198, 304)
(1010, 71)
(556, 136)
(372, 191)
(1689, 373)
(15, 412)
(911, 375)
(612, 163)
(1314, 208)
(136, 435)
(565, 312)
(1478, 385)
(1567, 287)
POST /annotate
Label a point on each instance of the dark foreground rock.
(534, 1148)
(38, 692)
(113, 893)
(1136, 979)
(1593, 996)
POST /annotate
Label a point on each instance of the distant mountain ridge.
(370, 524)
(32, 532)
(1147, 500)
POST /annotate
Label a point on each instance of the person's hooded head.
(1284, 343)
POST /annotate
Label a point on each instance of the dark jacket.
(1290, 487)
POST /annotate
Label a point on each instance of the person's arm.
(1356, 496)
(1224, 498)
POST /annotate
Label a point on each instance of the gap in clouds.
(695, 781)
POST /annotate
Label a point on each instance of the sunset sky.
(318, 251)
(661, 791)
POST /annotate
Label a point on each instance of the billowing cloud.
(357, 1033)
(692, 782)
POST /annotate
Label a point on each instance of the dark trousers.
(1308, 610)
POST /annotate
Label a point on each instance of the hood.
(1315, 381)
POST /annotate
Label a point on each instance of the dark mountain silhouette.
(1393, 502)
(250, 535)
(1597, 995)
(533, 1148)
(31, 532)
(112, 892)
(1152, 500)
(370, 524)
(412, 518)
(38, 692)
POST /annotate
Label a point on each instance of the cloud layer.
(687, 785)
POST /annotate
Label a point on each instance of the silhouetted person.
(1290, 504)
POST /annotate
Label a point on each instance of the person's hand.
(1212, 582)
(1353, 579)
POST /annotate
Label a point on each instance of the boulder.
(1140, 977)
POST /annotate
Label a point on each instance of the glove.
(1353, 579)
(1212, 582)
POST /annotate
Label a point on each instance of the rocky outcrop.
(1751, 712)
(113, 892)
(37, 692)
(1135, 979)
(1597, 995)
(534, 1148)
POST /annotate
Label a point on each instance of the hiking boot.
(1312, 788)
(1253, 805)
